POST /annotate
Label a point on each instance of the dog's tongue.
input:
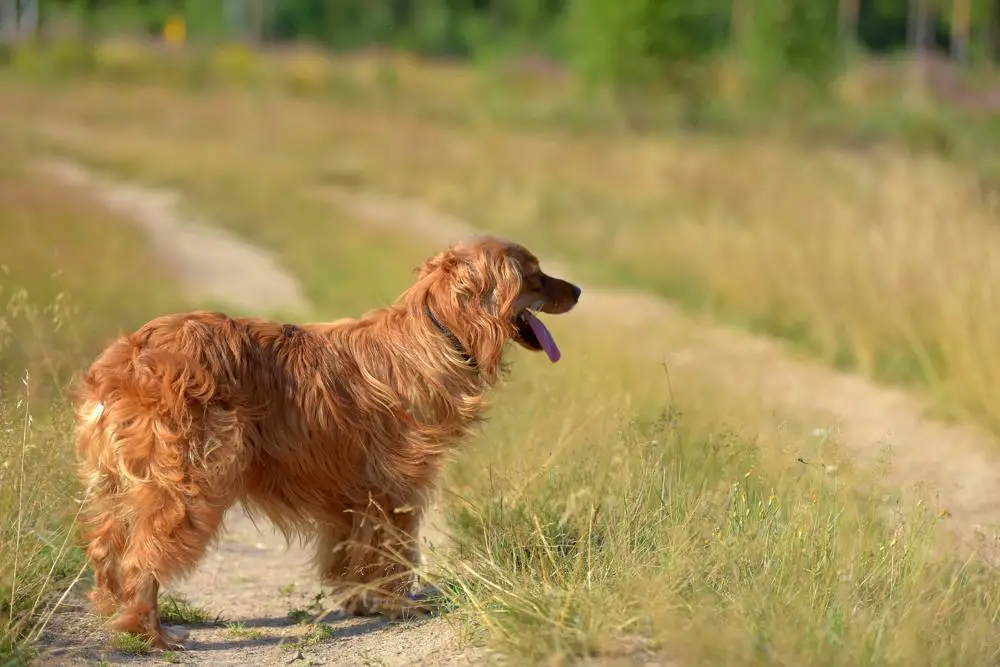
(543, 335)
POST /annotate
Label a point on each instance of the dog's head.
(486, 292)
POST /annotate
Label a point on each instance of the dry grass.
(599, 514)
(630, 524)
(873, 259)
(66, 285)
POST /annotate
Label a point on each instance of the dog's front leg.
(401, 548)
(372, 562)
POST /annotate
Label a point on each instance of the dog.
(333, 431)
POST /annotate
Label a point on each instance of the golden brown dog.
(315, 426)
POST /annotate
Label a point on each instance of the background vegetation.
(788, 166)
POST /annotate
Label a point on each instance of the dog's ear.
(482, 278)
(492, 282)
(475, 289)
(443, 261)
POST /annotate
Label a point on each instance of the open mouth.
(534, 335)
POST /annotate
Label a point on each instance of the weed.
(314, 635)
(129, 643)
(237, 629)
(176, 609)
(310, 611)
(299, 616)
(60, 293)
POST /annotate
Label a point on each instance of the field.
(683, 487)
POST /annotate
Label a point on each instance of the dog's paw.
(407, 611)
(428, 594)
(171, 639)
(358, 605)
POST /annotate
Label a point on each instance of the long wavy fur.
(315, 426)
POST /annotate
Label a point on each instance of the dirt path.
(959, 462)
(252, 579)
(209, 261)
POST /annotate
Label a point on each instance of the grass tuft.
(178, 610)
(316, 634)
(130, 643)
(238, 629)
(694, 544)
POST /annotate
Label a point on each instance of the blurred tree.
(992, 14)
(789, 37)
(615, 42)
(848, 17)
(961, 18)
(643, 41)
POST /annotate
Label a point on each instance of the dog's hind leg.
(168, 537)
(176, 506)
(105, 533)
(105, 543)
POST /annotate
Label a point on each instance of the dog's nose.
(576, 293)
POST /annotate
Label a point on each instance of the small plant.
(314, 635)
(171, 657)
(237, 629)
(129, 643)
(305, 614)
(299, 616)
(177, 609)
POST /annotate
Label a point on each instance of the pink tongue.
(543, 335)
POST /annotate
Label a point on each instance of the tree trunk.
(993, 31)
(738, 19)
(918, 30)
(961, 19)
(919, 27)
(848, 21)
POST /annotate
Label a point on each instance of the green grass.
(129, 643)
(314, 635)
(176, 609)
(237, 629)
(602, 513)
(689, 538)
(310, 612)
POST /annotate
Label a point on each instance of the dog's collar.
(455, 343)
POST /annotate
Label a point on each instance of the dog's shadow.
(336, 626)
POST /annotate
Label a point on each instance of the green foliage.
(622, 47)
(552, 564)
(643, 40)
(771, 48)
